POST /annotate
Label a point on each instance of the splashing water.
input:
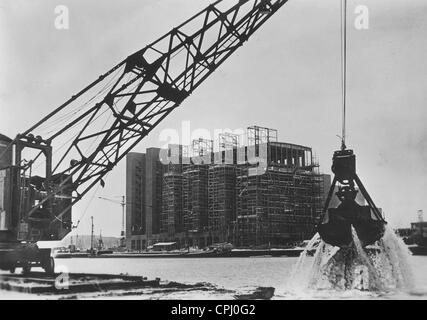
(392, 263)
(378, 269)
(301, 267)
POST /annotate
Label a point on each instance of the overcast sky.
(286, 77)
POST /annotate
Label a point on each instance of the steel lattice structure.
(144, 88)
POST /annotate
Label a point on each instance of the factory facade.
(265, 193)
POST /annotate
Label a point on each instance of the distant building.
(144, 174)
(281, 205)
(266, 193)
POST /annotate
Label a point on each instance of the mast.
(91, 237)
(123, 204)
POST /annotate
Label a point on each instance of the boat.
(418, 250)
(65, 254)
(417, 239)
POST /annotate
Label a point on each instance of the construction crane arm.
(113, 114)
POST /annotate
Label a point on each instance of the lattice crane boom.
(114, 113)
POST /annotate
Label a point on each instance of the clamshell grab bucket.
(336, 225)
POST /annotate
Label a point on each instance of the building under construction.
(262, 193)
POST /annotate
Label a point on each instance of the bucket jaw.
(336, 224)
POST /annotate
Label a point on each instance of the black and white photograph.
(221, 150)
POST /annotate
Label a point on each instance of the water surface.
(234, 274)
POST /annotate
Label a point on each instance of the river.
(232, 275)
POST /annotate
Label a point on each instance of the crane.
(122, 203)
(336, 224)
(95, 128)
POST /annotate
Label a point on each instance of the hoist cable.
(344, 69)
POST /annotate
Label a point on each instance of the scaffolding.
(250, 208)
(236, 202)
(259, 135)
(195, 197)
(195, 187)
(222, 200)
(222, 188)
(172, 214)
(202, 148)
(280, 206)
(172, 204)
(228, 141)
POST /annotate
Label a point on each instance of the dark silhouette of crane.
(94, 129)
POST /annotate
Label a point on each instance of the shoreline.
(208, 254)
